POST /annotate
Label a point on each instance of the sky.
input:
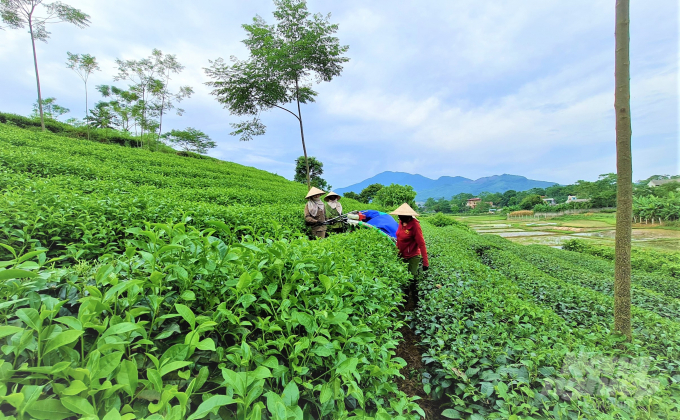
(458, 88)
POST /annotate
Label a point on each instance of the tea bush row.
(185, 325)
(641, 259)
(506, 326)
(551, 261)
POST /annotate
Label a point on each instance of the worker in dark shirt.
(411, 244)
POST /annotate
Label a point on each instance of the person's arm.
(421, 245)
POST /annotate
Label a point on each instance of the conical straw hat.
(314, 191)
(331, 194)
(404, 210)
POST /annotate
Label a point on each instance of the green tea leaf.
(31, 317)
(49, 409)
(128, 377)
(6, 330)
(14, 273)
(78, 405)
(291, 394)
(325, 281)
(208, 405)
(165, 369)
(243, 281)
(187, 314)
(75, 388)
(64, 338)
(112, 415)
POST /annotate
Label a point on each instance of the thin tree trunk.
(624, 170)
(37, 75)
(302, 134)
(87, 121)
(160, 121)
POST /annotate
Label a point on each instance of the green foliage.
(101, 135)
(641, 259)
(190, 140)
(315, 172)
(352, 195)
(143, 284)
(285, 59)
(529, 202)
(652, 207)
(395, 195)
(368, 194)
(440, 220)
(505, 339)
(182, 323)
(51, 110)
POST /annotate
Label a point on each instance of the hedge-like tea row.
(648, 260)
(80, 197)
(548, 260)
(503, 337)
(185, 325)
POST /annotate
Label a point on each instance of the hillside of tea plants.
(140, 285)
(517, 332)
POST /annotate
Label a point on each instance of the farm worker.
(315, 212)
(333, 209)
(411, 244)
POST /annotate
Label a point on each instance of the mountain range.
(448, 186)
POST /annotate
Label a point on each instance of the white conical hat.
(331, 194)
(314, 191)
(404, 210)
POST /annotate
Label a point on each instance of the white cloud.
(439, 88)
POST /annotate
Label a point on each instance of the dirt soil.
(409, 350)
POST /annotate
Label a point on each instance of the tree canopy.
(316, 170)
(190, 140)
(286, 59)
(395, 195)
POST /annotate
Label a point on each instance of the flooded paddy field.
(595, 228)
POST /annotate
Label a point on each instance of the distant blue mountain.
(448, 186)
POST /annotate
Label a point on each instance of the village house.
(659, 182)
(473, 202)
(573, 199)
(550, 201)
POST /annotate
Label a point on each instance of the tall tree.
(368, 193)
(624, 171)
(51, 109)
(143, 75)
(124, 106)
(285, 59)
(315, 169)
(18, 14)
(83, 65)
(191, 140)
(165, 99)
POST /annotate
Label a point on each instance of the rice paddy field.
(594, 228)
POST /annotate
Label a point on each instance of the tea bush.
(184, 324)
(506, 340)
(143, 285)
(641, 259)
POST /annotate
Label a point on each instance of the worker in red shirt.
(411, 244)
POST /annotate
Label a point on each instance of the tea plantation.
(140, 285)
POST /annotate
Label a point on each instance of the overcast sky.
(469, 88)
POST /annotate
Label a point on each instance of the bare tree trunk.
(87, 120)
(160, 122)
(37, 75)
(302, 134)
(624, 170)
